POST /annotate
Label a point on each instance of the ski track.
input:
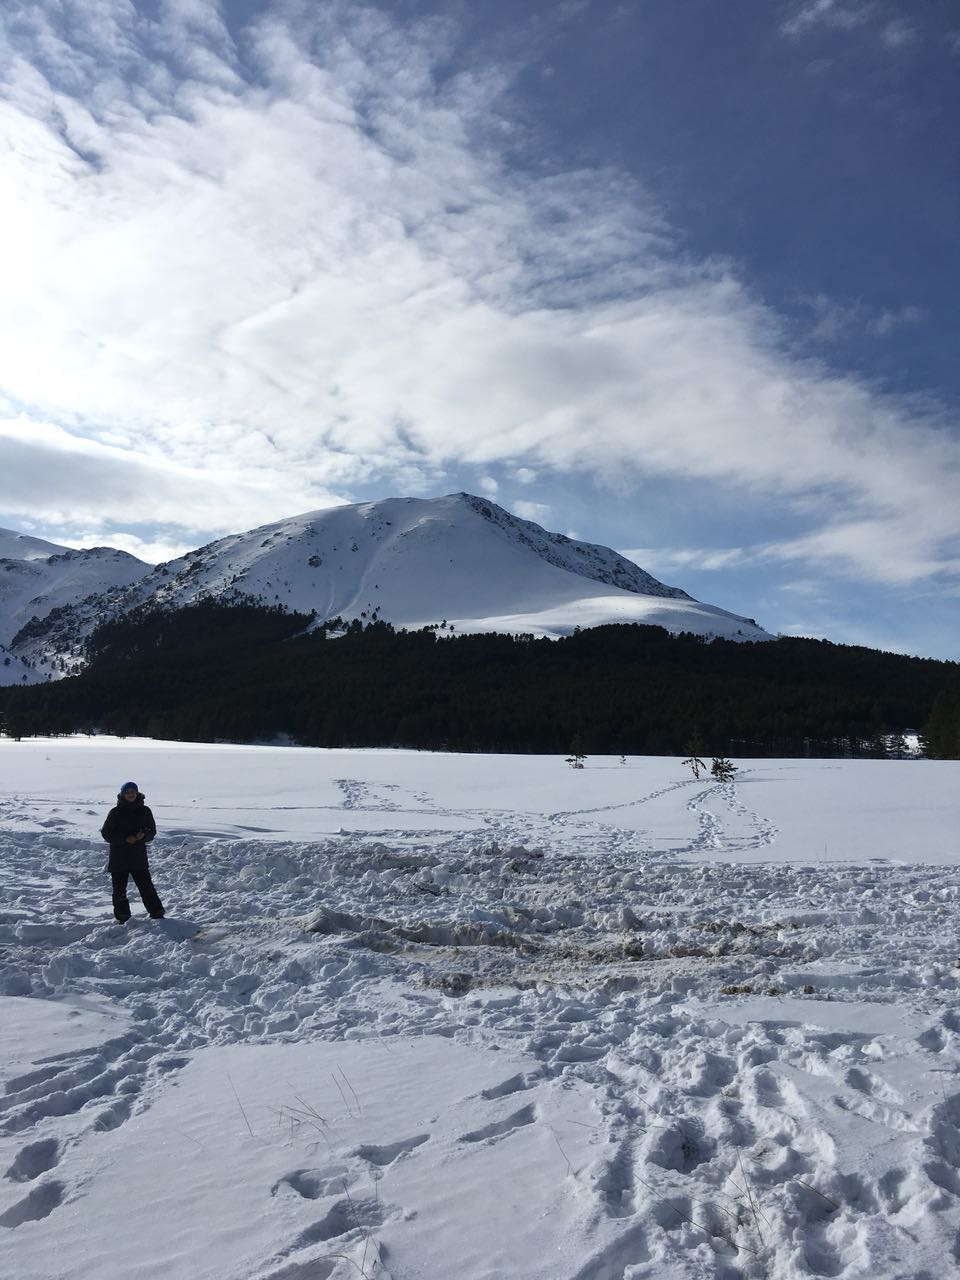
(606, 965)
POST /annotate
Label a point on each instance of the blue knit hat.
(127, 786)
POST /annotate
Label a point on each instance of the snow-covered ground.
(462, 1017)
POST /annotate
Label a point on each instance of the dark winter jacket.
(128, 818)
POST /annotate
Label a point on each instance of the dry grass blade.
(685, 1217)
(240, 1105)
(563, 1153)
(343, 1076)
(751, 1200)
(830, 1202)
(368, 1237)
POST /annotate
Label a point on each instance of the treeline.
(242, 673)
(941, 732)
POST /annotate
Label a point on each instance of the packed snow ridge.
(458, 561)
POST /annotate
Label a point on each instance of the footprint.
(311, 1184)
(768, 1089)
(617, 1184)
(516, 1084)
(620, 1256)
(933, 1039)
(892, 1191)
(871, 1085)
(812, 1208)
(19, 1084)
(34, 1159)
(682, 1146)
(171, 1063)
(855, 1191)
(672, 1212)
(501, 1128)
(114, 1116)
(386, 1155)
(342, 1218)
(319, 1269)
(72, 1090)
(821, 1257)
(40, 1202)
(944, 1142)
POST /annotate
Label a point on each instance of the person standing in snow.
(128, 829)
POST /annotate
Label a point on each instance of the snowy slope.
(33, 587)
(482, 1018)
(38, 577)
(21, 546)
(412, 562)
(415, 562)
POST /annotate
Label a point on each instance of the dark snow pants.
(129, 861)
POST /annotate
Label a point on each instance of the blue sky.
(676, 278)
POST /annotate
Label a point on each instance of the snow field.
(494, 1018)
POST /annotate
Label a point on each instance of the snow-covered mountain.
(38, 578)
(458, 560)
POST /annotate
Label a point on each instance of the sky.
(679, 279)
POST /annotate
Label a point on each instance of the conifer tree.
(723, 769)
(941, 734)
(694, 747)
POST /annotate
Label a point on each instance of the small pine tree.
(695, 746)
(576, 758)
(722, 769)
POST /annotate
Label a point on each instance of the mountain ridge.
(459, 560)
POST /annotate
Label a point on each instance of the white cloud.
(898, 34)
(244, 278)
(897, 549)
(829, 13)
(150, 550)
(810, 589)
(893, 33)
(538, 512)
(53, 477)
(659, 560)
(805, 631)
(835, 319)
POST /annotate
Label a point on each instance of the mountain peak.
(591, 560)
(21, 546)
(459, 561)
